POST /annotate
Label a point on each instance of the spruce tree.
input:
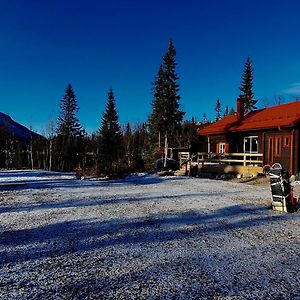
(68, 124)
(110, 139)
(67, 144)
(166, 117)
(246, 87)
(218, 109)
(226, 113)
(157, 119)
(204, 118)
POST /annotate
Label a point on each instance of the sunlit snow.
(143, 237)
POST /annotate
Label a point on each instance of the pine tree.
(110, 139)
(246, 87)
(68, 124)
(166, 117)
(218, 109)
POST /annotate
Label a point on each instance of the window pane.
(222, 148)
(251, 144)
(247, 144)
(254, 145)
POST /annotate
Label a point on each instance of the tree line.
(113, 150)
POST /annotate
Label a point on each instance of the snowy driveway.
(144, 237)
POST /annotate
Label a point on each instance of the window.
(222, 148)
(277, 146)
(251, 144)
(286, 141)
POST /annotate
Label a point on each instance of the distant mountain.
(11, 128)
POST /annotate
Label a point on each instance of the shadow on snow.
(32, 206)
(90, 234)
(39, 182)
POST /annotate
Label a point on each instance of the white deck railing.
(245, 159)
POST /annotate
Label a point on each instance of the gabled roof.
(220, 126)
(285, 115)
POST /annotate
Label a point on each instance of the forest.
(115, 150)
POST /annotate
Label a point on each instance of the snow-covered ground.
(143, 237)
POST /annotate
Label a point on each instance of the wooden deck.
(235, 163)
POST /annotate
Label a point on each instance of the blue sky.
(96, 45)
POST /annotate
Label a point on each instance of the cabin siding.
(235, 141)
(215, 140)
(272, 155)
(296, 151)
(271, 143)
(277, 129)
(259, 135)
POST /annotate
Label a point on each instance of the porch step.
(183, 171)
(180, 172)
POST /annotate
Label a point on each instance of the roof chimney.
(240, 108)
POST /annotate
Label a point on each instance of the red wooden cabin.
(263, 136)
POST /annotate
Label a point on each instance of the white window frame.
(250, 137)
(222, 148)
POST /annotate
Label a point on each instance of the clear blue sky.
(95, 45)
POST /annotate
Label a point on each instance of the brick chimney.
(240, 109)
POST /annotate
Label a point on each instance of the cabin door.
(274, 149)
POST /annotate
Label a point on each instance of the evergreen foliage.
(68, 124)
(247, 86)
(190, 137)
(110, 140)
(166, 117)
(218, 109)
(226, 113)
(139, 147)
(204, 118)
(67, 144)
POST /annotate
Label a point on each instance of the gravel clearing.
(144, 237)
